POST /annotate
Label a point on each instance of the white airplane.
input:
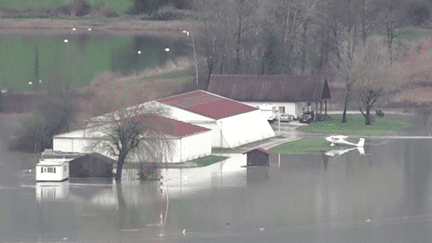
(340, 139)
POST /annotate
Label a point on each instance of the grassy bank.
(117, 26)
(305, 146)
(120, 6)
(112, 90)
(356, 126)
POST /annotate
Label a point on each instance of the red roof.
(260, 149)
(207, 104)
(270, 88)
(170, 126)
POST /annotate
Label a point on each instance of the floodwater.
(28, 58)
(383, 195)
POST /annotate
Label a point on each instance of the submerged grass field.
(305, 146)
(208, 160)
(356, 126)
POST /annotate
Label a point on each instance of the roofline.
(280, 101)
(73, 137)
(171, 135)
(223, 97)
(177, 95)
(256, 75)
(259, 149)
(210, 93)
(323, 80)
(195, 133)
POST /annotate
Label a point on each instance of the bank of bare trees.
(294, 36)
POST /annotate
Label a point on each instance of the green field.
(25, 58)
(119, 6)
(409, 33)
(356, 126)
(305, 146)
(208, 160)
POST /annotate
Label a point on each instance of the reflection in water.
(338, 152)
(317, 192)
(52, 191)
(417, 173)
(189, 181)
(257, 174)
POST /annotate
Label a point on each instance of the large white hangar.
(232, 123)
(186, 141)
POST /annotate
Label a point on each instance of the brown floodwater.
(383, 195)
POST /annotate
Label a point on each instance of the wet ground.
(383, 195)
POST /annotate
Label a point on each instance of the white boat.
(340, 139)
(52, 169)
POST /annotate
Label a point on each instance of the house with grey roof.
(292, 94)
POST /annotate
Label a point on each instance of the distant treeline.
(146, 6)
(55, 8)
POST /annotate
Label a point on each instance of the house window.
(42, 169)
(282, 109)
(64, 168)
(51, 170)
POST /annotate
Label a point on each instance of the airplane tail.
(361, 150)
(361, 142)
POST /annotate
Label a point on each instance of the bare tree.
(133, 134)
(79, 8)
(287, 21)
(425, 110)
(343, 22)
(374, 76)
(391, 16)
(215, 32)
(244, 10)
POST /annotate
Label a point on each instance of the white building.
(186, 141)
(52, 169)
(232, 123)
(292, 94)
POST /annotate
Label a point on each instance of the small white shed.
(52, 169)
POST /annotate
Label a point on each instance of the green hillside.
(119, 6)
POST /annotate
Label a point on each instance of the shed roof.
(101, 157)
(260, 149)
(266, 88)
(207, 104)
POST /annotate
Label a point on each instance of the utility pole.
(193, 46)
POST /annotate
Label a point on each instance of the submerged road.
(289, 134)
